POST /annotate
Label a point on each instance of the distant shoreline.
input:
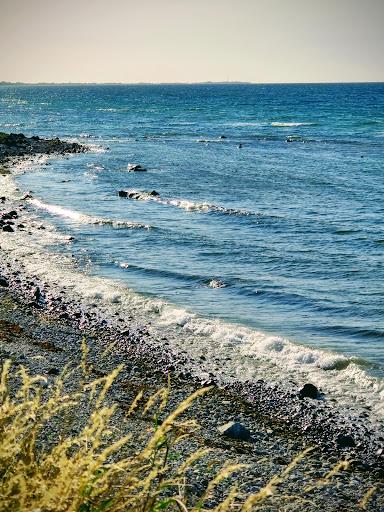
(45, 84)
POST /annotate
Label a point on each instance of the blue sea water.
(270, 207)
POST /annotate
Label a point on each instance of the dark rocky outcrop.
(137, 195)
(17, 144)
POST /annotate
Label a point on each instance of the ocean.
(255, 238)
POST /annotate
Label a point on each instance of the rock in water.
(135, 168)
(235, 430)
(8, 228)
(122, 193)
(309, 391)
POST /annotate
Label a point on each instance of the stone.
(153, 193)
(8, 228)
(235, 430)
(3, 282)
(37, 294)
(135, 168)
(309, 391)
(122, 193)
(345, 441)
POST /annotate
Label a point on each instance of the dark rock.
(309, 391)
(222, 137)
(345, 441)
(37, 294)
(3, 282)
(235, 430)
(17, 144)
(135, 168)
(122, 193)
(28, 195)
(282, 461)
(8, 228)
(154, 193)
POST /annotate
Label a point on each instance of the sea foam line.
(82, 218)
(282, 124)
(233, 352)
(184, 204)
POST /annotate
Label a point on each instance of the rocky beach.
(258, 423)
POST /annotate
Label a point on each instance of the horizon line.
(207, 82)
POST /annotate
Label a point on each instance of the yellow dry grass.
(90, 471)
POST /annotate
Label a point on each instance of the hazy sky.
(191, 40)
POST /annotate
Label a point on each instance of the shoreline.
(280, 422)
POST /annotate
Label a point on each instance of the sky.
(261, 41)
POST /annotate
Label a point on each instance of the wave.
(281, 124)
(184, 204)
(233, 352)
(198, 280)
(82, 218)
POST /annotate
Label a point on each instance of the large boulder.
(309, 391)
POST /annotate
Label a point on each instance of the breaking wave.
(82, 218)
(184, 204)
(282, 124)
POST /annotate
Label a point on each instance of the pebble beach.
(42, 324)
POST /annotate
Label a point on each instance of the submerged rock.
(235, 430)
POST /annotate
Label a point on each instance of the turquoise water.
(283, 234)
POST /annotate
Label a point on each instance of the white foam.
(284, 124)
(231, 351)
(254, 354)
(82, 218)
(216, 283)
(186, 204)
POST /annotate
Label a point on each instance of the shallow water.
(283, 235)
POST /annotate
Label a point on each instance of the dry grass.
(90, 471)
